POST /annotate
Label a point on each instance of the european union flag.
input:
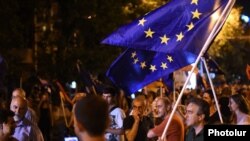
(180, 25)
(135, 68)
(165, 40)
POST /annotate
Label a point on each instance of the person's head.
(91, 116)
(7, 123)
(163, 106)
(226, 91)
(151, 95)
(19, 107)
(238, 102)
(197, 112)
(138, 106)
(208, 96)
(108, 95)
(18, 92)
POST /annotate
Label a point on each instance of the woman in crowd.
(240, 108)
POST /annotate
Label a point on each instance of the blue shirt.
(27, 131)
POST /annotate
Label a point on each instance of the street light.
(245, 18)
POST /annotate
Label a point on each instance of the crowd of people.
(111, 115)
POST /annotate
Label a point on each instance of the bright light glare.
(245, 18)
(215, 16)
(132, 96)
(212, 75)
(73, 84)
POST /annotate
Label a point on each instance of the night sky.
(246, 6)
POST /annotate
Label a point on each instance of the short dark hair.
(92, 113)
(4, 114)
(203, 106)
(210, 93)
(109, 90)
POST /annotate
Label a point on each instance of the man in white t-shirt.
(117, 115)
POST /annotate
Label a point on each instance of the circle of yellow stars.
(149, 33)
(151, 67)
(164, 39)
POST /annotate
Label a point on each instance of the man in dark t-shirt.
(137, 125)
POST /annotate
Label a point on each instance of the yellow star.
(152, 68)
(133, 55)
(149, 33)
(136, 60)
(179, 36)
(194, 2)
(164, 65)
(196, 14)
(143, 65)
(190, 26)
(142, 21)
(170, 59)
(164, 39)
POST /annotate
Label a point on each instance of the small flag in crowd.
(212, 65)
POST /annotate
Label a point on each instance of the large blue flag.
(165, 40)
(135, 68)
(180, 25)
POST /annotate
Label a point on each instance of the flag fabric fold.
(164, 40)
(135, 68)
(180, 25)
(212, 65)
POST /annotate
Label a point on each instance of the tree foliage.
(229, 51)
(75, 29)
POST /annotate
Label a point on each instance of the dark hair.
(226, 91)
(210, 93)
(240, 100)
(224, 108)
(92, 113)
(109, 90)
(203, 106)
(4, 114)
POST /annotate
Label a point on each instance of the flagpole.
(204, 49)
(212, 86)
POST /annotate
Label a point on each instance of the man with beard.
(7, 125)
(176, 131)
(25, 130)
(30, 114)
